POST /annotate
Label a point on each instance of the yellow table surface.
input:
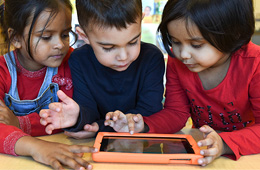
(251, 162)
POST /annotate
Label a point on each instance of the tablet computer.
(146, 148)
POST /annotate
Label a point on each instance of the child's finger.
(209, 152)
(44, 113)
(56, 164)
(48, 120)
(84, 164)
(109, 115)
(91, 128)
(55, 106)
(206, 129)
(109, 123)
(206, 160)
(80, 135)
(64, 98)
(82, 149)
(137, 118)
(49, 129)
(71, 162)
(205, 142)
(118, 115)
(131, 123)
(43, 122)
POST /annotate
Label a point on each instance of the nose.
(185, 53)
(122, 55)
(59, 44)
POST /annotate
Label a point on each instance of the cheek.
(176, 52)
(104, 58)
(134, 52)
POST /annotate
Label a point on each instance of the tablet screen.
(149, 145)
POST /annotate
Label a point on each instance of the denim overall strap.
(46, 95)
(10, 62)
(51, 71)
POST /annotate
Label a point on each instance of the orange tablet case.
(182, 158)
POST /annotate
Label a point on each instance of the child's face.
(192, 49)
(50, 47)
(114, 48)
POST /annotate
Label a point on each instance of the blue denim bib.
(46, 95)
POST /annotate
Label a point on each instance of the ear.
(82, 34)
(15, 40)
(143, 15)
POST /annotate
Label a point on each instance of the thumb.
(2, 103)
(63, 97)
(91, 128)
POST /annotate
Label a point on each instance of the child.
(213, 75)
(114, 71)
(30, 77)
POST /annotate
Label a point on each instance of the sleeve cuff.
(25, 124)
(10, 141)
(231, 145)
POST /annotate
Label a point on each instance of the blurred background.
(152, 10)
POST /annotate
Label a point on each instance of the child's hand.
(54, 154)
(124, 122)
(7, 116)
(214, 144)
(88, 132)
(60, 114)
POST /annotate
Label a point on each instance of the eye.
(108, 49)
(46, 38)
(133, 43)
(175, 42)
(196, 45)
(66, 35)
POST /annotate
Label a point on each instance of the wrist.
(26, 146)
(226, 149)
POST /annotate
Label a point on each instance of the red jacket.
(233, 106)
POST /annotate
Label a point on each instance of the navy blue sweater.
(99, 89)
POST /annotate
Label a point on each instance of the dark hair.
(108, 13)
(18, 14)
(225, 24)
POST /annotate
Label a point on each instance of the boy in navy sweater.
(113, 72)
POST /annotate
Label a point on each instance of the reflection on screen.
(147, 145)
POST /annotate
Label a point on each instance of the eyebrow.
(103, 43)
(46, 30)
(197, 39)
(190, 39)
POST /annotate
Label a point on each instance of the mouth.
(190, 65)
(122, 66)
(57, 56)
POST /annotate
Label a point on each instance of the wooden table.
(251, 162)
